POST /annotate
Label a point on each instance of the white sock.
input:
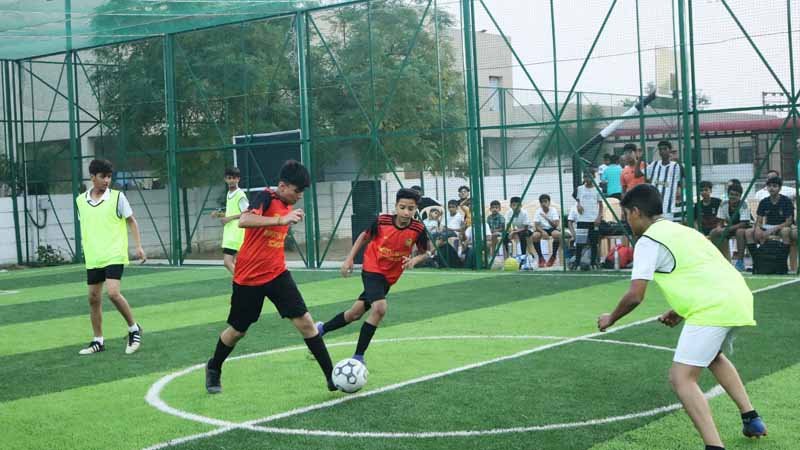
(99, 339)
(134, 327)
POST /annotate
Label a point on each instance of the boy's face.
(231, 181)
(706, 193)
(587, 180)
(436, 214)
(545, 204)
(289, 193)
(634, 218)
(405, 209)
(453, 209)
(101, 181)
(515, 206)
(773, 189)
(463, 193)
(734, 197)
(494, 209)
(663, 152)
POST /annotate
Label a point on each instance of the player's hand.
(224, 220)
(597, 221)
(294, 216)
(580, 209)
(670, 318)
(409, 263)
(347, 267)
(141, 254)
(604, 321)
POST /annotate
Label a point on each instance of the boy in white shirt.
(590, 213)
(547, 222)
(520, 226)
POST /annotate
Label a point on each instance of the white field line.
(8, 292)
(154, 399)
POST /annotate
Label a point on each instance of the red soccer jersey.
(261, 258)
(390, 244)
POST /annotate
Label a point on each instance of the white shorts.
(699, 345)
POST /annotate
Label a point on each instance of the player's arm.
(627, 303)
(137, 237)
(638, 170)
(226, 219)
(599, 213)
(250, 219)
(425, 253)
(363, 239)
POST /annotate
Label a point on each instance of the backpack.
(771, 259)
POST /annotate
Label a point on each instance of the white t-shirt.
(744, 212)
(573, 214)
(589, 198)
(432, 225)
(123, 206)
(468, 233)
(666, 178)
(521, 220)
(650, 257)
(785, 190)
(456, 222)
(552, 214)
(244, 205)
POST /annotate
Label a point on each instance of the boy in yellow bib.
(235, 204)
(681, 261)
(104, 216)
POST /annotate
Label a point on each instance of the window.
(719, 155)
(494, 84)
(745, 153)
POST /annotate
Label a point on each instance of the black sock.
(556, 244)
(578, 253)
(538, 247)
(320, 352)
(714, 447)
(749, 415)
(220, 354)
(753, 248)
(337, 322)
(367, 331)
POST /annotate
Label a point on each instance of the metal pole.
(642, 127)
(172, 144)
(794, 113)
(558, 128)
(475, 156)
(503, 140)
(688, 188)
(697, 149)
(305, 135)
(12, 161)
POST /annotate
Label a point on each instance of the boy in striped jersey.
(388, 254)
(666, 176)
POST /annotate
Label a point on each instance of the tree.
(577, 136)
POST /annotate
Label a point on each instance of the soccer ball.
(511, 264)
(350, 375)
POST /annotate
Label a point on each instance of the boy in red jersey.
(388, 253)
(261, 272)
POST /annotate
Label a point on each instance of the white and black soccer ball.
(350, 375)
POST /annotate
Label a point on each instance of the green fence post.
(688, 160)
(503, 140)
(75, 150)
(10, 147)
(172, 146)
(305, 136)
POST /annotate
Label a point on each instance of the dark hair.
(735, 188)
(775, 180)
(544, 197)
(452, 203)
(667, 144)
(293, 172)
(606, 156)
(409, 194)
(463, 188)
(494, 203)
(705, 184)
(734, 181)
(629, 147)
(614, 159)
(100, 166)
(777, 174)
(233, 172)
(515, 200)
(645, 197)
(417, 188)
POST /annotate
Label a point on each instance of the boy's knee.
(379, 309)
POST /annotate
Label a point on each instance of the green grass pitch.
(463, 360)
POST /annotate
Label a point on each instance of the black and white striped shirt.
(667, 179)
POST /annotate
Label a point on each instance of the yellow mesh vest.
(232, 235)
(104, 234)
(705, 289)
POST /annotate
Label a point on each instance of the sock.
(538, 247)
(753, 248)
(320, 352)
(556, 244)
(98, 339)
(714, 447)
(367, 331)
(749, 415)
(134, 327)
(337, 322)
(578, 253)
(220, 354)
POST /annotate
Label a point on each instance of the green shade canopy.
(34, 28)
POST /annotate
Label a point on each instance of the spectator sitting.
(455, 222)
(547, 221)
(520, 226)
(433, 223)
(706, 209)
(612, 178)
(773, 218)
(785, 190)
(497, 224)
(469, 244)
(734, 215)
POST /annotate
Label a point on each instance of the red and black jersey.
(261, 258)
(389, 244)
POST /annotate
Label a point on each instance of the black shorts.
(229, 251)
(101, 274)
(547, 232)
(376, 286)
(247, 301)
(524, 234)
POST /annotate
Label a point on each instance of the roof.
(34, 28)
